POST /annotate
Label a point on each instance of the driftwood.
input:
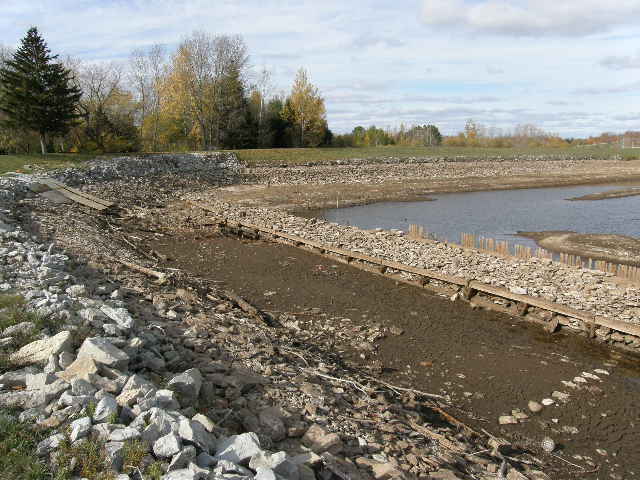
(246, 307)
(159, 276)
(441, 439)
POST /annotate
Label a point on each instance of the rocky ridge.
(354, 172)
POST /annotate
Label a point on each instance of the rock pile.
(162, 380)
(198, 164)
(477, 157)
(351, 172)
(91, 389)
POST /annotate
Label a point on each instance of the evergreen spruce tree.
(36, 92)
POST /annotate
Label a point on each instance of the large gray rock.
(160, 423)
(136, 387)
(82, 387)
(121, 316)
(22, 327)
(184, 474)
(238, 448)
(187, 385)
(278, 462)
(224, 467)
(124, 434)
(194, 433)
(67, 400)
(183, 458)
(167, 446)
(106, 409)
(37, 381)
(49, 444)
(103, 352)
(33, 398)
(40, 350)
(114, 453)
(17, 378)
(22, 399)
(80, 428)
(164, 399)
(82, 367)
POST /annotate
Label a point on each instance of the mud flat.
(348, 184)
(609, 247)
(625, 192)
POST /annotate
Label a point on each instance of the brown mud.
(489, 363)
(620, 249)
(300, 197)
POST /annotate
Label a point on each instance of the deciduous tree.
(305, 109)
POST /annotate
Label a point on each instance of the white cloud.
(531, 17)
(382, 62)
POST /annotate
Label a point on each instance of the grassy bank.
(294, 156)
(12, 163)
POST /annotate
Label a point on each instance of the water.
(501, 214)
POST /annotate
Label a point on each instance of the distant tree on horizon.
(36, 92)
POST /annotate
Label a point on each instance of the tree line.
(203, 96)
(416, 135)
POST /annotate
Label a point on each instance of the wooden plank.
(81, 200)
(106, 203)
(75, 194)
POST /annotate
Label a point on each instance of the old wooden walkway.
(74, 195)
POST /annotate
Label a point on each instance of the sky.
(571, 67)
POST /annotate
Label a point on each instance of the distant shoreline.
(627, 192)
(613, 248)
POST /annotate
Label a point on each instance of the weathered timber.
(77, 196)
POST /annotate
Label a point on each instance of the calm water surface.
(501, 214)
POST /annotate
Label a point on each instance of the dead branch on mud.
(159, 276)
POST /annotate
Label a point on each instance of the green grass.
(295, 156)
(17, 450)
(12, 163)
(13, 312)
(89, 461)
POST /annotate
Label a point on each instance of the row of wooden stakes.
(503, 248)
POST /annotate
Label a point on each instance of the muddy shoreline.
(305, 198)
(627, 192)
(613, 248)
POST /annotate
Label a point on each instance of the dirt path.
(489, 363)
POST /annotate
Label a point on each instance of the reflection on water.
(500, 214)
